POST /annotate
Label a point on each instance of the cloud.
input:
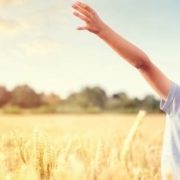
(33, 21)
(57, 11)
(8, 26)
(7, 3)
(42, 46)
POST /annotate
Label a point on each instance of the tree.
(118, 101)
(25, 97)
(51, 99)
(150, 103)
(89, 97)
(4, 96)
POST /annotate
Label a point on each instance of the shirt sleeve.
(172, 102)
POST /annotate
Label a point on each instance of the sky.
(40, 46)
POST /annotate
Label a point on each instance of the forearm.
(124, 48)
(133, 55)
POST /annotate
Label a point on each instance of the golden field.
(80, 147)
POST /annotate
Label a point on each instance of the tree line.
(87, 100)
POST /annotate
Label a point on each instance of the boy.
(167, 90)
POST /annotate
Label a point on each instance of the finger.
(82, 28)
(84, 18)
(87, 7)
(81, 10)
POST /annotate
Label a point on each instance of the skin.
(132, 54)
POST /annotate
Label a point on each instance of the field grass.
(75, 147)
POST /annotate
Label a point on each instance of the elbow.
(143, 64)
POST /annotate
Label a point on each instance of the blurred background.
(45, 58)
(68, 86)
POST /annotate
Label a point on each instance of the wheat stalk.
(75, 158)
(130, 137)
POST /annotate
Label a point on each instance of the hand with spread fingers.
(93, 23)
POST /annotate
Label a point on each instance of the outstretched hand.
(93, 23)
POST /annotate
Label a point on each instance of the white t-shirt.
(170, 161)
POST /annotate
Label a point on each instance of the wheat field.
(80, 147)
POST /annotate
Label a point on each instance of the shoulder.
(172, 103)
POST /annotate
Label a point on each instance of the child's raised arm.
(159, 82)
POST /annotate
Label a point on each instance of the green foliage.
(118, 102)
(149, 103)
(77, 109)
(122, 103)
(50, 99)
(44, 109)
(88, 100)
(12, 110)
